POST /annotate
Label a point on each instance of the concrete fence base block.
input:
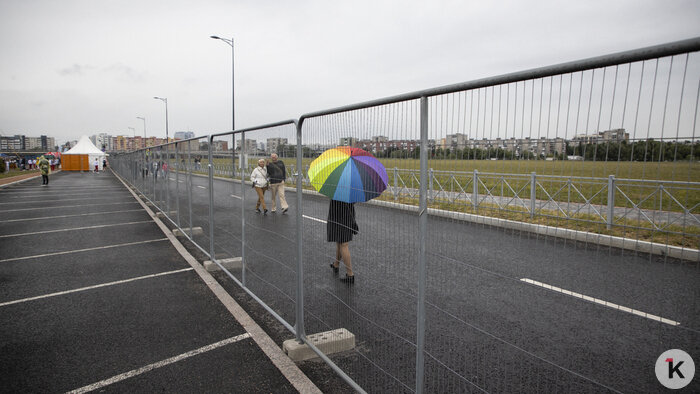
(329, 342)
(230, 264)
(195, 231)
(161, 215)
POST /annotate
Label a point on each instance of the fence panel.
(378, 308)
(530, 230)
(501, 293)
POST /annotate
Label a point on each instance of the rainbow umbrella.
(348, 174)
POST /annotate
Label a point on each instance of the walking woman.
(260, 180)
(340, 228)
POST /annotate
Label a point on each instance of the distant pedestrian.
(44, 166)
(340, 227)
(104, 163)
(260, 184)
(277, 174)
(156, 165)
(97, 165)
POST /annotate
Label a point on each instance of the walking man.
(44, 166)
(277, 174)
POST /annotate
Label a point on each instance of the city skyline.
(100, 82)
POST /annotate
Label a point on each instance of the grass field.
(15, 172)
(458, 174)
(553, 180)
(665, 171)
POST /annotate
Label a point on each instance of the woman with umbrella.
(340, 227)
(347, 175)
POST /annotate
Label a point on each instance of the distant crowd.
(28, 163)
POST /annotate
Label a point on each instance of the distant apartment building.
(219, 146)
(251, 146)
(456, 141)
(380, 145)
(613, 135)
(39, 143)
(120, 143)
(14, 143)
(272, 144)
(347, 141)
(103, 141)
(32, 143)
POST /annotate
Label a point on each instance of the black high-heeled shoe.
(335, 269)
(348, 279)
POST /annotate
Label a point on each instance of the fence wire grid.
(530, 230)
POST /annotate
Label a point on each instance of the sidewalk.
(98, 294)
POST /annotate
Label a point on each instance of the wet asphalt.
(91, 289)
(486, 329)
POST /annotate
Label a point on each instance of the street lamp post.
(165, 100)
(233, 107)
(144, 129)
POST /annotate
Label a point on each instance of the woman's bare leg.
(344, 251)
(336, 263)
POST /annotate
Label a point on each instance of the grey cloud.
(75, 69)
(125, 73)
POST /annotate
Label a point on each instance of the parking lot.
(96, 294)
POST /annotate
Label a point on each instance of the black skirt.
(341, 225)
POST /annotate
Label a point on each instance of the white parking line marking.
(201, 187)
(235, 196)
(68, 206)
(70, 216)
(68, 199)
(43, 195)
(82, 250)
(74, 228)
(150, 367)
(602, 302)
(94, 287)
(314, 219)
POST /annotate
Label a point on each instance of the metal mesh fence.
(379, 307)
(530, 230)
(562, 157)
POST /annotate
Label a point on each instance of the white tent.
(86, 147)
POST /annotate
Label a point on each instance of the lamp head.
(215, 37)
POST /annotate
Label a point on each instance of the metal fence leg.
(431, 196)
(423, 229)
(533, 194)
(211, 201)
(189, 185)
(611, 201)
(166, 179)
(396, 183)
(243, 186)
(475, 190)
(177, 186)
(299, 326)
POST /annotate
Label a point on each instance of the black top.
(276, 171)
(341, 225)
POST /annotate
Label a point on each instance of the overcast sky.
(72, 68)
